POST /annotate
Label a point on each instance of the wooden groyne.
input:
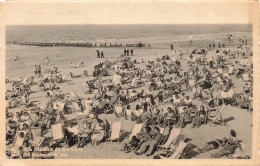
(74, 44)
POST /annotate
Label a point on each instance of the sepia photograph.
(129, 91)
(139, 91)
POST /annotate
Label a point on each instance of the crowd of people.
(160, 95)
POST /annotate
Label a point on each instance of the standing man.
(132, 52)
(125, 51)
(39, 71)
(102, 55)
(98, 54)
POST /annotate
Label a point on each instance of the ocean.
(97, 32)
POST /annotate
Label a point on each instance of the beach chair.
(37, 142)
(220, 71)
(247, 87)
(36, 132)
(191, 83)
(177, 153)
(115, 131)
(231, 70)
(58, 106)
(226, 75)
(230, 93)
(245, 77)
(217, 117)
(74, 96)
(76, 106)
(118, 111)
(137, 128)
(57, 133)
(175, 132)
(173, 146)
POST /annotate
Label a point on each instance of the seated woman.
(199, 118)
(184, 115)
(136, 113)
(169, 117)
(72, 133)
(98, 132)
(128, 112)
(84, 134)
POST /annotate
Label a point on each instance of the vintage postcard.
(129, 83)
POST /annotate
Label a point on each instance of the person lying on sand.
(214, 144)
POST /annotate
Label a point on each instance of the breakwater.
(75, 44)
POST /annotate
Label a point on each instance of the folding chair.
(175, 132)
(19, 142)
(191, 83)
(118, 111)
(76, 106)
(58, 106)
(173, 146)
(177, 153)
(57, 132)
(245, 77)
(231, 70)
(225, 75)
(218, 117)
(247, 86)
(220, 71)
(73, 96)
(36, 132)
(137, 128)
(115, 133)
(230, 93)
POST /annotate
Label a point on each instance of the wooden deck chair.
(230, 93)
(37, 142)
(226, 74)
(175, 144)
(245, 77)
(175, 132)
(119, 110)
(242, 62)
(247, 86)
(57, 132)
(74, 96)
(177, 153)
(115, 133)
(217, 117)
(76, 106)
(137, 128)
(220, 71)
(19, 142)
(191, 83)
(128, 113)
(231, 70)
(58, 106)
(36, 132)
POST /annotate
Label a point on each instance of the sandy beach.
(29, 56)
